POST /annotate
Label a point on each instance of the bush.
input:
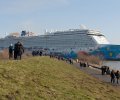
(4, 54)
(89, 58)
(93, 60)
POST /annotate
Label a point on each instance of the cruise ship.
(72, 39)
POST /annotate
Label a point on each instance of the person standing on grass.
(10, 51)
(117, 74)
(112, 76)
(18, 50)
(15, 51)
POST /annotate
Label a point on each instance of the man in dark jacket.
(112, 76)
(18, 50)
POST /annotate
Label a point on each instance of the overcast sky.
(38, 15)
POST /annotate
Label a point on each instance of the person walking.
(20, 49)
(108, 71)
(112, 76)
(117, 74)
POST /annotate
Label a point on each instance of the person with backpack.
(18, 50)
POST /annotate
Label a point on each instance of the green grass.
(42, 78)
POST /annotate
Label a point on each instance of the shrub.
(4, 54)
(88, 58)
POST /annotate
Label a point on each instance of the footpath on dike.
(96, 73)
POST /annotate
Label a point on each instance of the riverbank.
(96, 72)
(113, 65)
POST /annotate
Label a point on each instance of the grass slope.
(42, 78)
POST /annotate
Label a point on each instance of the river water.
(112, 64)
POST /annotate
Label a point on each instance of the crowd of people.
(37, 53)
(115, 75)
(105, 70)
(84, 64)
(60, 57)
(16, 51)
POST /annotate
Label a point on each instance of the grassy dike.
(42, 78)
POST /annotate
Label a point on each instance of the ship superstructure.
(73, 39)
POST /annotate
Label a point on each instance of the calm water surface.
(112, 64)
